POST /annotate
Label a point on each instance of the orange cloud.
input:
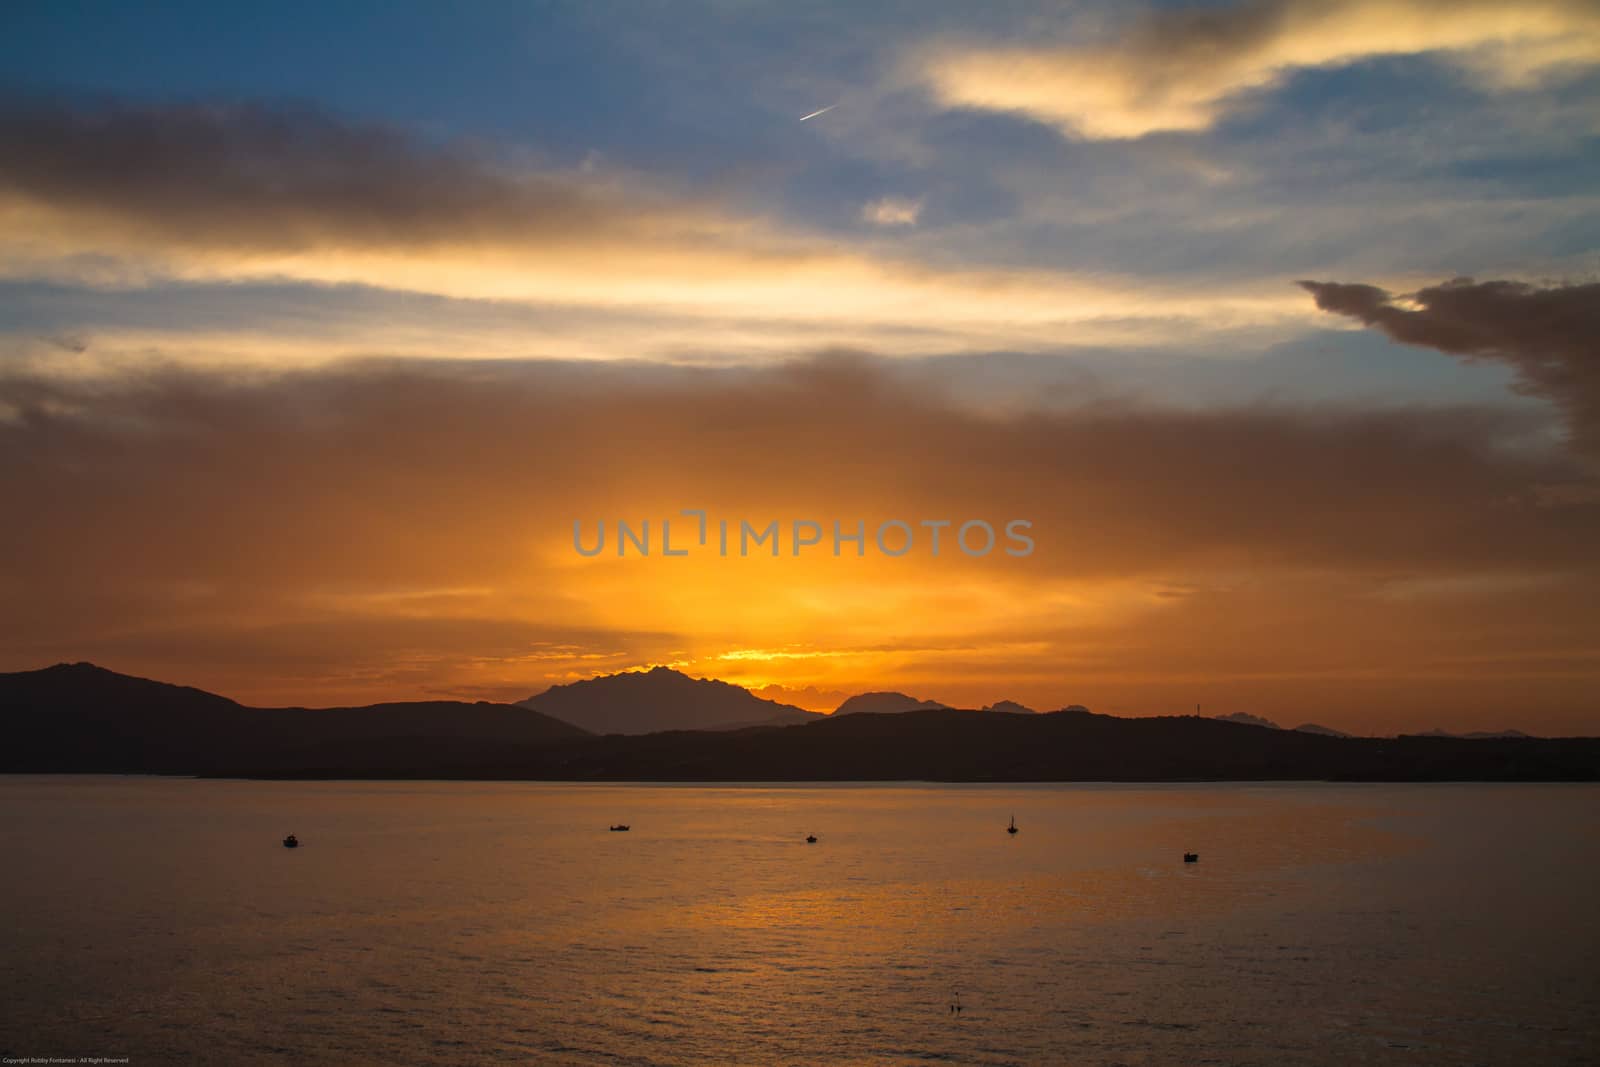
(383, 530)
(1183, 69)
(119, 196)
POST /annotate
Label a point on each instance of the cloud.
(1182, 69)
(284, 179)
(892, 211)
(269, 462)
(121, 196)
(1547, 335)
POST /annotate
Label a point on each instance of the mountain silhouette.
(79, 717)
(1248, 720)
(642, 702)
(885, 703)
(1011, 706)
(1317, 728)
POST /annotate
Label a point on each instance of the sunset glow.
(302, 389)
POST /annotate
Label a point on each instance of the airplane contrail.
(814, 114)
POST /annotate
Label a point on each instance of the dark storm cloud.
(1549, 335)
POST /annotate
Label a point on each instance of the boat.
(1013, 827)
(619, 828)
(1191, 857)
(291, 842)
(811, 839)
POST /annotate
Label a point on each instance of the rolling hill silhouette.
(1476, 735)
(1318, 728)
(1305, 727)
(79, 717)
(945, 744)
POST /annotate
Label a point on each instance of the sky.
(322, 324)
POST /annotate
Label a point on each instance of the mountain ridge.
(881, 701)
(84, 719)
(638, 702)
(87, 718)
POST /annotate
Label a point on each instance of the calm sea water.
(458, 923)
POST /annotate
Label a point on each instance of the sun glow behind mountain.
(302, 389)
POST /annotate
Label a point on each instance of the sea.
(161, 920)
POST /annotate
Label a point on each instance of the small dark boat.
(811, 839)
(1013, 827)
(1191, 857)
(619, 828)
(291, 842)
